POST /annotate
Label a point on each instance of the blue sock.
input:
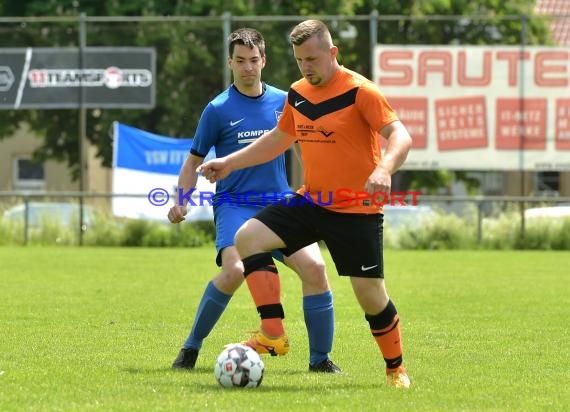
(210, 309)
(319, 319)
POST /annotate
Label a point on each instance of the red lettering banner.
(480, 107)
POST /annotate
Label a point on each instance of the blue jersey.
(230, 122)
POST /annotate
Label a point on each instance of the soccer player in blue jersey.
(231, 121)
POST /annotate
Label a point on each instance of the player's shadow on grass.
(204, 370)
(167, 369)
(329, 380)
(293, 388)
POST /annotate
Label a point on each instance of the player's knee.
(231, 277)
(314, 272)
(242, 237)
(236, 272)
(247, 241)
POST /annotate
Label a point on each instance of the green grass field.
(97, 329)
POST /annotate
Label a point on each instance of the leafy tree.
(187, 55)
(190, 54)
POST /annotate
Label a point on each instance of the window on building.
(28, 175)
(548, 182)
(490, 182)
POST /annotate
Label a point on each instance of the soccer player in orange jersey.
(335, 115)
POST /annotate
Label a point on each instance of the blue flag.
(140, 150)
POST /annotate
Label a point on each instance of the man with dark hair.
(232, 120)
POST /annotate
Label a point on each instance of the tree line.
(190, 55)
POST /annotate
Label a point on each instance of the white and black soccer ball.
(239, 366)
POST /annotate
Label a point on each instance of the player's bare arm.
(186, 180)
(264, 149)
(399, 144)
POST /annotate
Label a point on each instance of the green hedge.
(107, 231)
(442, 231)
(447, 231)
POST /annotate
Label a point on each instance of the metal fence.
(474, 209)
(197, 45)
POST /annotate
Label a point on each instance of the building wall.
(514, 184)
(23, 144)
(99, 179)
(565, 184)
(57, 176)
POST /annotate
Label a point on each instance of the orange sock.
(385, 328)
(264, 285)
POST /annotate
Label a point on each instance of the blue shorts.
(228, 218)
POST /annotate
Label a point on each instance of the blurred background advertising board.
(480, 107)
(51, 78)
(148, 164)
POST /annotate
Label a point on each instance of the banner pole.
(82, 127)
(522, 126)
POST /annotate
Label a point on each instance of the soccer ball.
(239, 366)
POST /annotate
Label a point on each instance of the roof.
(559, 27)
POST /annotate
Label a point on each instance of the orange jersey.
(337, 128)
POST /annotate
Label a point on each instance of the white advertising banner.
(480, 107)
(148, 165)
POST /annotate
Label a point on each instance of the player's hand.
(379, 181)
(177, 214)
(214, 170)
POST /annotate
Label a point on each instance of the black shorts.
(354, 240)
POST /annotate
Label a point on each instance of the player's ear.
(334, 52)
(263, 61)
